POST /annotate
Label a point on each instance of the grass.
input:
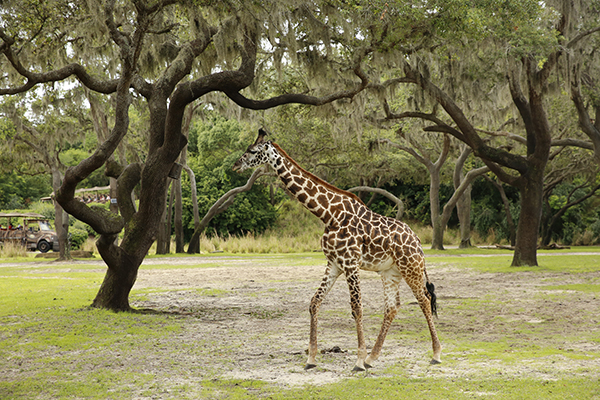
(431, 388)
(53, 347)
(557, 262)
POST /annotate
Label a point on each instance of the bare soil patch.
(248, 318)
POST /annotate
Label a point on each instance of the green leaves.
(219, 142)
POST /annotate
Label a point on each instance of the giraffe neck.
(322, 199)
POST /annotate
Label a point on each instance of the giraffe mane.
(316, 178)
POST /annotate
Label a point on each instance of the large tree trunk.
(177, 220)
(463, 204)
(194, 245)
(437, 241)
(529, 221)
(60, 217)
(116, 286)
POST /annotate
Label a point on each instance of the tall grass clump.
(295, 231)
(11, 250)
(89, 244)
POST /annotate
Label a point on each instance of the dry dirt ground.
(247, 318)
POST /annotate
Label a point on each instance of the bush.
(77, 237)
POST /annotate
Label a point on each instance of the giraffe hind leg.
(391, 296)
(422, 295)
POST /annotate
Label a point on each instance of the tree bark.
(164, 232)
(437, 240)
(119, 279)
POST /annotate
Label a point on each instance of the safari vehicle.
(31, 230)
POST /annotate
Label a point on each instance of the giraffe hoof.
(368, 366)
(434, 361)
(309, 366)
(357, 369)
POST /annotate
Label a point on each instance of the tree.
(434, 168)
(568, 184)
(458, 57)
(42, 145)
(168, 53)
(217, 143)
(462, 184)
(219, 206)
(440, 218)
(583, 60)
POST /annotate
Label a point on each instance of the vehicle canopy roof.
(23, 215)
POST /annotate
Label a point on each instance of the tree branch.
(222, 204)
(382, 192)
(298, 98)
(460, 190)
(571, 43)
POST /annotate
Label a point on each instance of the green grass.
(403, 388)
(580, 287)
(52, 346)
(501, 263)
(430, 388)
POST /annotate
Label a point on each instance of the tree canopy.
(484, 72)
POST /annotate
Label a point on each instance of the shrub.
(77, 237)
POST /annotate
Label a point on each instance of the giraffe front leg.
(331, 275)
(357, 312)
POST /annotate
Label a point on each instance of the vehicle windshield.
(45, 226)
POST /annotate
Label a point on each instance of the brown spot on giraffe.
(355, 238)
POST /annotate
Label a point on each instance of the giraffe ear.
(261, 136)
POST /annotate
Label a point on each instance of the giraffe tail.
(432, 297)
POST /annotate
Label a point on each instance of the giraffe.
(355, 238)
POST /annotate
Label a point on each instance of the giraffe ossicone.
(355, 238)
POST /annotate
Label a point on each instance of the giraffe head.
(256, 154)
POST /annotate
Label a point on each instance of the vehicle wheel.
(43, 246)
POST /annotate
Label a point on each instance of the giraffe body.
(355, 238)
